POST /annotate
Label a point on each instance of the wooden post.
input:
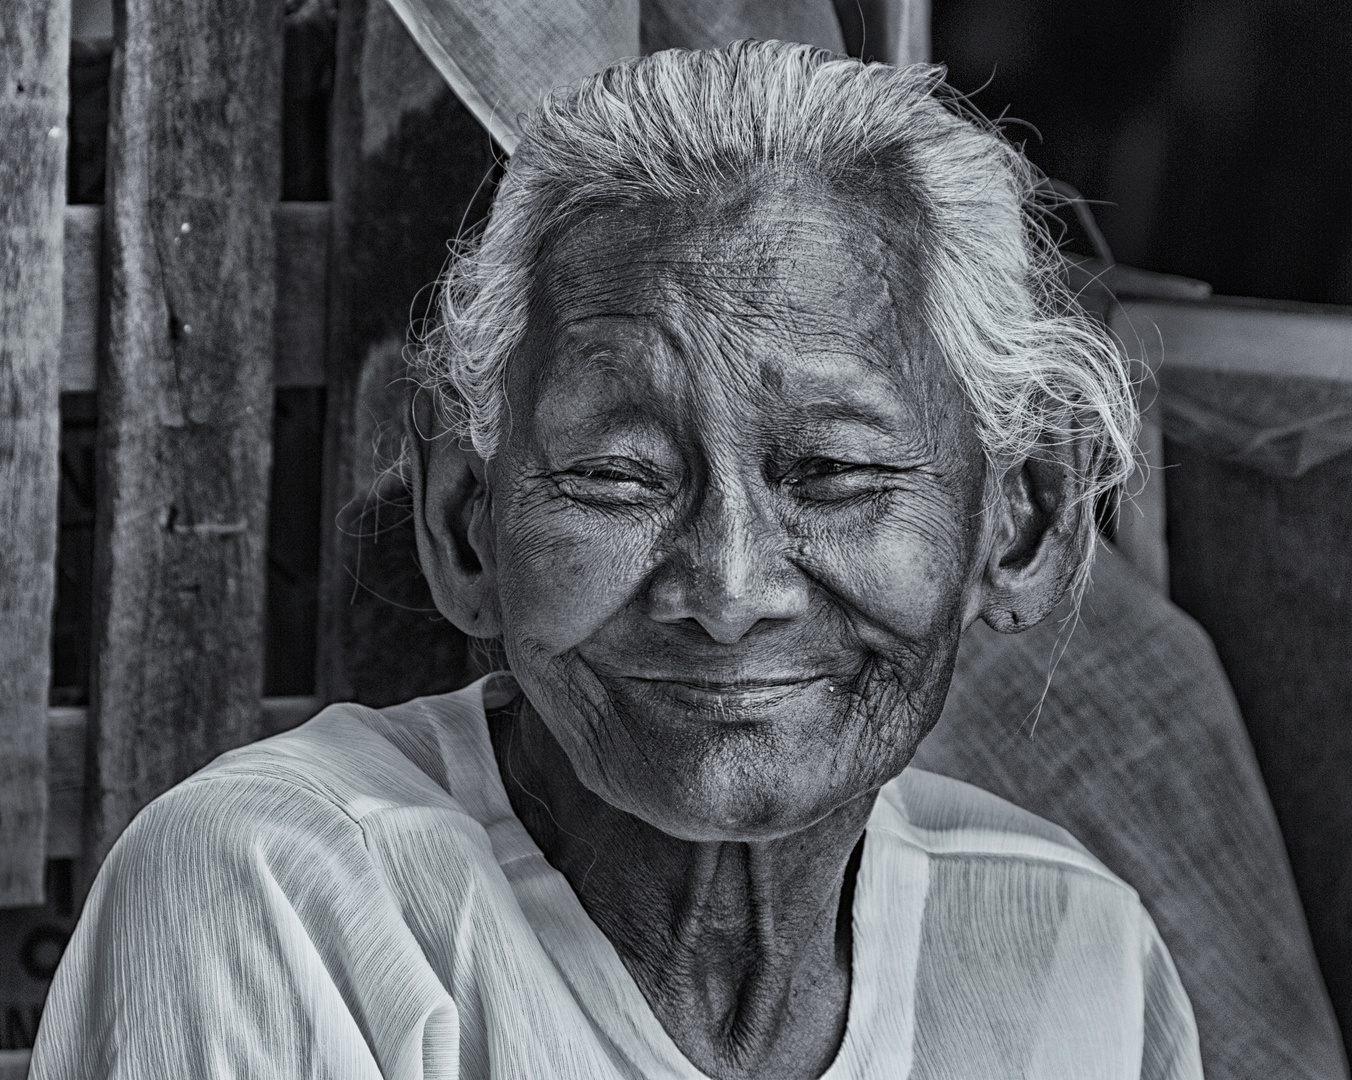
(34, 53)
(185, 391)
(410, 167)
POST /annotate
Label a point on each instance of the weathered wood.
(186, 395)
(302, 285)
(81, 292)
(410, 165)
(302, 293)
(66, 735)
(34, 51)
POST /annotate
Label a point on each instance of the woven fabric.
(1140, 752)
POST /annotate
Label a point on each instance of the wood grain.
(186, 394)
(409, 168)
(34, 52)
(302, 294)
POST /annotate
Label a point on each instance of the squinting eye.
(609, 482)
(814, 468)
(613, 475)
(828, 480)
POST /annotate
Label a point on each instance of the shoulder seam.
(295, 783)
(1070, 864)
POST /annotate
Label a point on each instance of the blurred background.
(1217, 133)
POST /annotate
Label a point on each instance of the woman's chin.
(755, 757)
(744, 774)
(729, 812)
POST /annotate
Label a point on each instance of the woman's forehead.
(779, 300)
(745, 276)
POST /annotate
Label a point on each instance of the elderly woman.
(758, 389)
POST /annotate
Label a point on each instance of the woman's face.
(737, 522)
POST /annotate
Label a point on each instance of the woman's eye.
(828, 478)
(816, 468)
(608, 474)
(604, 482)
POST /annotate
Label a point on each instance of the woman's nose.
(728, 570)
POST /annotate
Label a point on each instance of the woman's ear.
(1036, 541)
(452, 516)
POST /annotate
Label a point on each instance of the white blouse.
(355, 899)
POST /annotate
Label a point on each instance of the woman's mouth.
(733, 700)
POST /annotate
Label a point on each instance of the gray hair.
(1036, 371)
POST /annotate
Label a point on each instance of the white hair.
(1036, 372)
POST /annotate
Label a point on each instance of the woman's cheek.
(560, 582)
(903, 579)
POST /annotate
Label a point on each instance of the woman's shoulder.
(346, 781)
(359, 760)
(262, 899)
(1024, 955)
(959, 821)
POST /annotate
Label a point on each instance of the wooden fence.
(194, 293)
(185, 301)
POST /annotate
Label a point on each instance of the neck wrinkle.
(739, 948)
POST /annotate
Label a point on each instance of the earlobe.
(452, 516)
(1035, 542)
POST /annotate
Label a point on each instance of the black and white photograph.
(675, 539)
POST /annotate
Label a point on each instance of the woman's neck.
(742, 950)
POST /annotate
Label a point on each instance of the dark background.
(1218, 132)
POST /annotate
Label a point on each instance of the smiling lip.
(734, 695)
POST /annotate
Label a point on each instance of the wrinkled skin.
(733, 559)
(730, 544)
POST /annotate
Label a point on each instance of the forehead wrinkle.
(743, 287)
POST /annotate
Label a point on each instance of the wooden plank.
(1244, 337)
(66, 734)
(81, 292)
(186, 395)
(409, 168)
(34, 52)
(302, 292)
(14, 1064)
(302, 287)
